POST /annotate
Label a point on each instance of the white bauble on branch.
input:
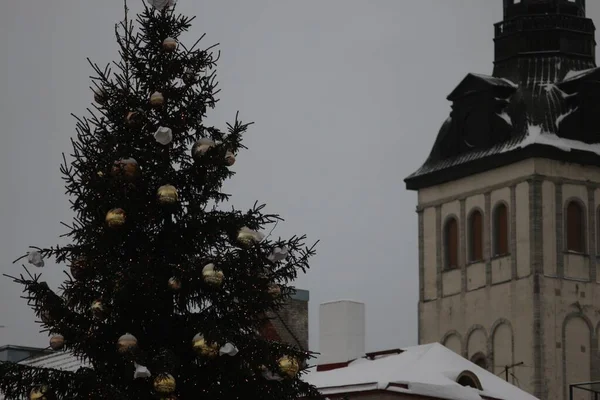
(229, 349)
(278, 254)
(35, 258)
(141, 371)
(163, 135)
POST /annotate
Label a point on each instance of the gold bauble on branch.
(115, 218)
(169, 44)
(212, 276)
(57, 342)
(289, 366)
(164, 384)
(203, 348)
(134, 119)
(246, 237)
(77, 268)
(98, 309)
(229, 158)
(126, 168)
(201, 147)
(167, 195)
(275, 290)
(127, 343)
(157, 99)
(174, 284)
(39, 393)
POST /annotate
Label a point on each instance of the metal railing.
(542, 22)
(586, 387)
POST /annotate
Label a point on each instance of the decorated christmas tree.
(167, 287)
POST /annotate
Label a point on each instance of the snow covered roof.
(425, 370)
(61, 360)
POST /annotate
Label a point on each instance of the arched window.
(469, 379)
(480, 360)
(451, 243)
(575, 227)
(476, 236)
(500, 230)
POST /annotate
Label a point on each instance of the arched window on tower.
(575, 227)
(451, 243)
(500, 230)
(475, 236)
(480, 360)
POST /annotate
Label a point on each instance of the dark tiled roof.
(533, 109)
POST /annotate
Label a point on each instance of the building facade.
(509, 206)
(431, 371)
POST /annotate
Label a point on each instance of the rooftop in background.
(428, 370)
(18, 353)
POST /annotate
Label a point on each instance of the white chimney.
(341, 331)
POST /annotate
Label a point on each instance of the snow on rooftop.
(535, 135)
(563, 116)
(426, 370)
(61, 360)
(575, 74)
(342, 301)
(505, 117)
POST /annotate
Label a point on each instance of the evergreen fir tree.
(167, 289)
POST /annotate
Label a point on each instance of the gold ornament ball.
(169, 44)
(174, 284)
(167, 195)
(229, 158)
(98, 309)
(57, 342)
(289, 366)
(157, 99)
(77, 268)
(39, 393)
(127, 169)
(203, 348)
(126, 343)
(134, 119)
(275, 290)
(115, 218)
(247, 237)
(201, 147)
(164, 384)
(212, 276)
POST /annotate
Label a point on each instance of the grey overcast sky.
(347, 98)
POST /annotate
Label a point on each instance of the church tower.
(509, 206)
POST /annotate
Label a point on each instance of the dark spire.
(541, 40)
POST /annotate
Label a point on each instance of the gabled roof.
(477, 82)
(425, 370)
